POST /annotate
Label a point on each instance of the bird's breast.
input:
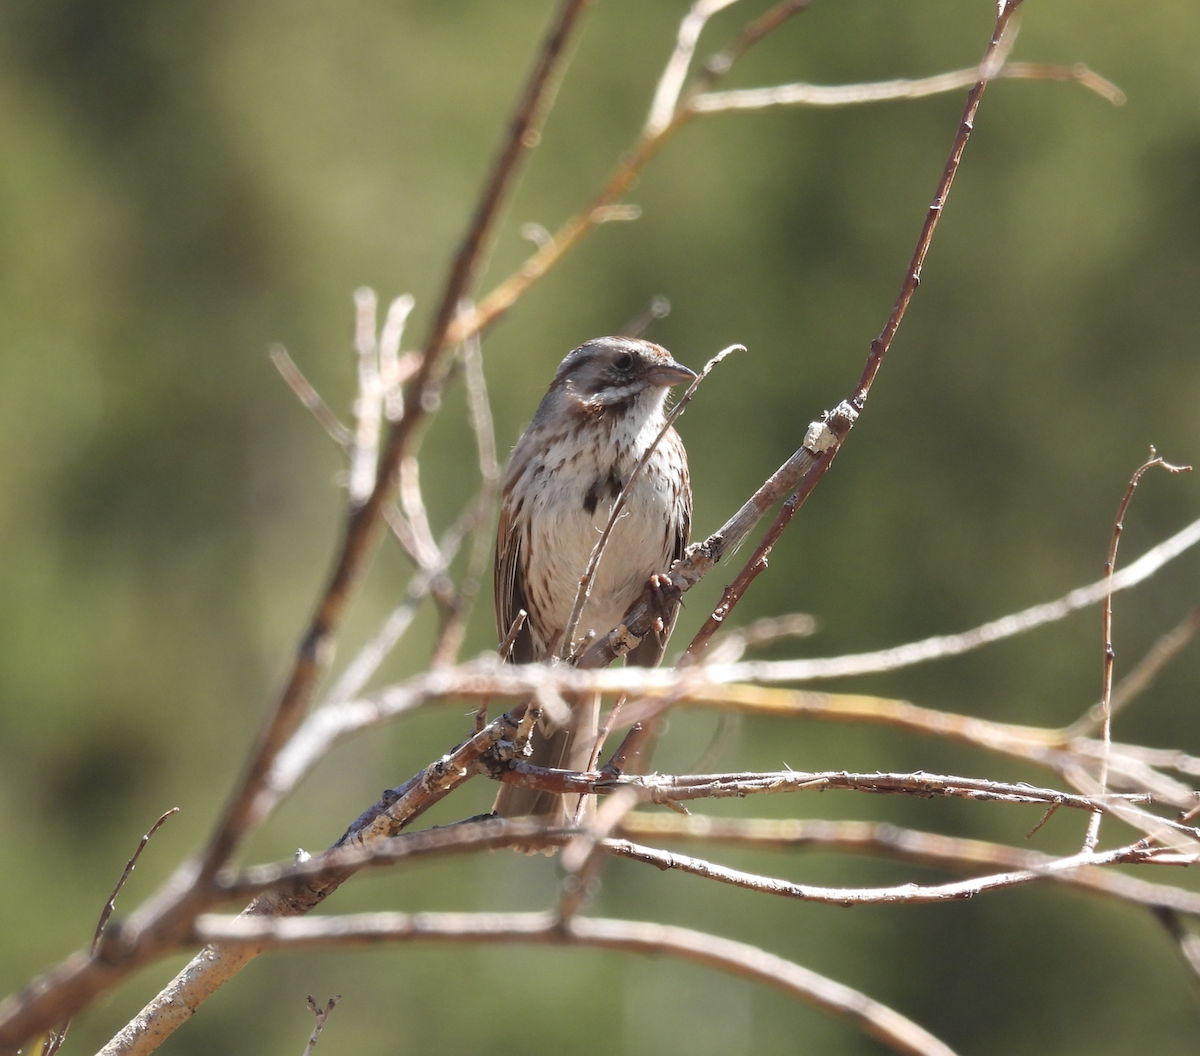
(566, 496)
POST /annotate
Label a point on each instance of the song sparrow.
(605, 407)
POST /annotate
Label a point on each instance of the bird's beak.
(669, 373)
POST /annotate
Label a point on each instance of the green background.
(183, 183)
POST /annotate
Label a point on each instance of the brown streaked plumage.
(604, 408)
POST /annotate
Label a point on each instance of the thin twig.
(886, 840)
(901, 894)
(879, 348)
(658, 308)
(583, 857)
(57, 1038)
(482, 426)
(111, 904)
(322, 1015)
(346, 857)
(309, 396)
(1109, 655)
(940, 646)
(605, 730)
(368, 407)
(1143, 674)
(1189, 944)
(670, 84)
(413, 505)
(711, 685)
(802, 94)
(178, 1002)
(599, 211)
(732, 645)
(881, 1022)
(664, 788)
(393, 373)
(567, 645)
(912, 278)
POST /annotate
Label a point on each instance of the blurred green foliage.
(183, 183)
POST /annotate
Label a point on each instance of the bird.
(604, 409)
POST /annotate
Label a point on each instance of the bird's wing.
(650, 652)
(509, 575)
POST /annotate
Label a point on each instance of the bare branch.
(363, 525)
(583, 857)
(57, 1038)
(1109, 655)
(902, 894)
(1130, 765)
(1140, 678)
(554, 247)
(670, 84)
(454, 628)
(955, 644)
(672, 789)
(732, 645)
(347, 857)
(393, 373)
(309, 396)
(322, 1015)
(887, 1026)
(368, 408)
(802, 94)
(702, 557)
(665, 788)
(830, 444)
(908, 845)
(1189, 944)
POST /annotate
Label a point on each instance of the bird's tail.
(568, 749)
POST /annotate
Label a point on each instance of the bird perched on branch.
(604, 410)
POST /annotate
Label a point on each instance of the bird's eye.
(623, 362)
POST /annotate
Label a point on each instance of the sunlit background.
(183, 183)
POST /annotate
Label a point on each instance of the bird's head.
(614, 373)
